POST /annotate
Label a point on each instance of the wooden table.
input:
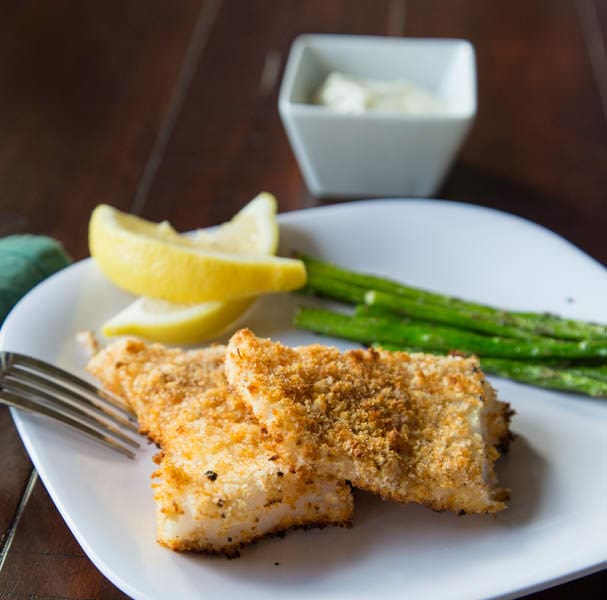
(169, 109)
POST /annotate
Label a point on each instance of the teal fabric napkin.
(25, 260)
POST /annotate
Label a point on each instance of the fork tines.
(39, 387)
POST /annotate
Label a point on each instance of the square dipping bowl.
(377, 153)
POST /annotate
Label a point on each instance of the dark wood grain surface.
(170, 110)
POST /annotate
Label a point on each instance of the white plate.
(555, 527)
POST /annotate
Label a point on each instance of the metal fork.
(39, 387)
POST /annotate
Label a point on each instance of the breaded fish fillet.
(221, 481)
(409, 427)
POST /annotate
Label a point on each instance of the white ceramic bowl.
(377, 153)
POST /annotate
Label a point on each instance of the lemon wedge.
(172, 323)
(252, 231)
(152, 260)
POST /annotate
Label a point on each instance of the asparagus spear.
(391, 331)
(537, 323)
(592, 371)
(335, 289)
(454, 316)
(535, 374)
(543, 376)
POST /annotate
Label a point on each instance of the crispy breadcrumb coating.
(156, 380)
(409, 427)
(221, 480)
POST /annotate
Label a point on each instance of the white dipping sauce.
(346, 94)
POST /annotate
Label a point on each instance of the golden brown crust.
(156, 380)
(409, 427)
(221, 481)
(222, 471)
